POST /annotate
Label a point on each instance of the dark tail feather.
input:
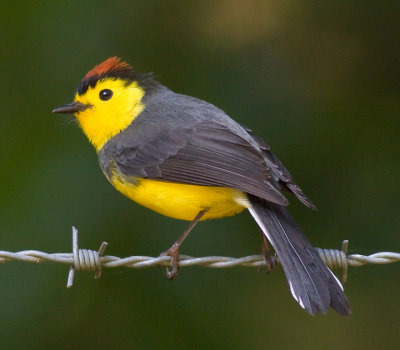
(311, 282)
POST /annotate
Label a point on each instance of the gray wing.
(187, 150)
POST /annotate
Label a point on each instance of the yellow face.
(114, 105)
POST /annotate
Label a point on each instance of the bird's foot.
(270, 261)
(174, 254)
(173, 251)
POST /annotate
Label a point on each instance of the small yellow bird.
(185, 158)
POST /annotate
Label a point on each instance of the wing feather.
(207, 154)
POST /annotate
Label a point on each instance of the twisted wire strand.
(109, 261)
(91, 260)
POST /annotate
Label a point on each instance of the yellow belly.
(181, 201)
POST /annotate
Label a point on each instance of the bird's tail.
(311, 282)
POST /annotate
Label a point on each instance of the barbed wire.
(91, 260)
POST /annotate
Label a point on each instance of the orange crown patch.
(112, 64)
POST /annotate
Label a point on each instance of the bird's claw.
(270, 262)
(173, 272)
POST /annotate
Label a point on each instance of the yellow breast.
(182, 201)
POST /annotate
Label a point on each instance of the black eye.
(105, 94)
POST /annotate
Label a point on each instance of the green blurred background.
(318, 80)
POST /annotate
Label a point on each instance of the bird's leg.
(265, 252)
(173, 251)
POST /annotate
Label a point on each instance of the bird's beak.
(70, 108)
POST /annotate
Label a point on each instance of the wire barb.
(91, 260)
(84, 259)
(336, 259)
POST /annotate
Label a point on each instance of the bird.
(187, 159)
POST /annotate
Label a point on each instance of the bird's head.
(107, 99)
